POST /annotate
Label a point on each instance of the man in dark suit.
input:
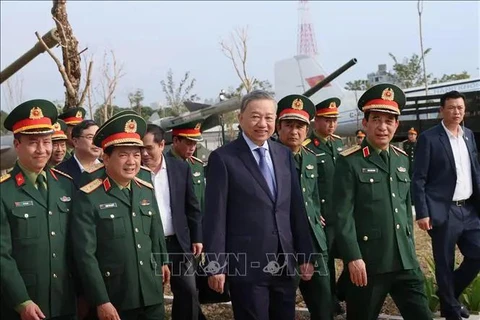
(181, 219)
(446, 186)
(86, 153)
(255, 219)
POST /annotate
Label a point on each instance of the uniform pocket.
(403, 184)
(112, 224)
(371, 187)
(369, 243)
(63, 211)
(147, 215)
(24, 223)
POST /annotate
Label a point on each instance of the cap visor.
(196, 139)
(383, 111)
(293, 117)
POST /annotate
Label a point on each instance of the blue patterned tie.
(265, 170)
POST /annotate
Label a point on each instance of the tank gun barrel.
(50, 38)
(310, 92)
(219, 108)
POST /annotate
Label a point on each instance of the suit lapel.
(136, 193)
(245, 154)
(275, 156)
(323, 146)
(171, 183)
(372, 156)
(28, 187)
(446, 144)
(112, 188)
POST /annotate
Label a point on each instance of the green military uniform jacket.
(114, 238)
(308, 174)
(409, 148)
(68, 153)
(35, 259)
(374, 212)
(326, 159)
(98, 171)
(198, 176)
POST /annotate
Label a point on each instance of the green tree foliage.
(136, 100)
(357, 85)
(409, 72)
(451, 77)
(176, 95)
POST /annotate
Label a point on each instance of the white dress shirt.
(268, 158)
(162, 193)
(80, 165)
(464, 186)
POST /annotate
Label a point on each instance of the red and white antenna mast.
(306, 41)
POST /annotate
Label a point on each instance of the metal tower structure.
(306, 41)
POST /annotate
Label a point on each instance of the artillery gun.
(51, 40)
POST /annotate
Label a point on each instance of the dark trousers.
(155, 312)
(272, 299)
(462, 228)
(185, 304)
(316, 292)
(405, 287)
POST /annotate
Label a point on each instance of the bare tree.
(88, 88)
(111, 72)
(420, 11)
(236, 50)
(177, 95)
(12, 90)
(70, 70)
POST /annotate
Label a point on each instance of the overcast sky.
(151, 37)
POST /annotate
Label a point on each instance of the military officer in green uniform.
(185, 138)
(359, 136)
(409, 146)
(36, 200)
(374, 215)
(294, 113)
(327, 146)
(117, 234)
(59, 143)
(72, 117)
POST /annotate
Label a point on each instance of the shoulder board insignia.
(399, 150)
(309, 150)
(143, 182)
(62, 173)
(146, 168)
(94, 168)
(91, 186)
(306, 142)
(350, 150)
(5, 177)
(196, 159)
(335, 136)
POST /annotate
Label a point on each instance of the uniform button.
(136, 229)
(139, 246)
(54, 275)
(333, 158)
(323, 200)
(26, 215)
(365, 238)
(306, 204)
(396, 210)
(149, 213)
(303, 189)
(107, 274)
(134, 214)
(198, 181)
(323, 161)
(301, 175)
(112, 216)
(54, 255)
(398, 226)
(312, 175)
(53, 233)
(50, 213)
(371, 180)
(141, 263)
(391, 179)
(393, 194)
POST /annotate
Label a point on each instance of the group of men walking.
(89, 238)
